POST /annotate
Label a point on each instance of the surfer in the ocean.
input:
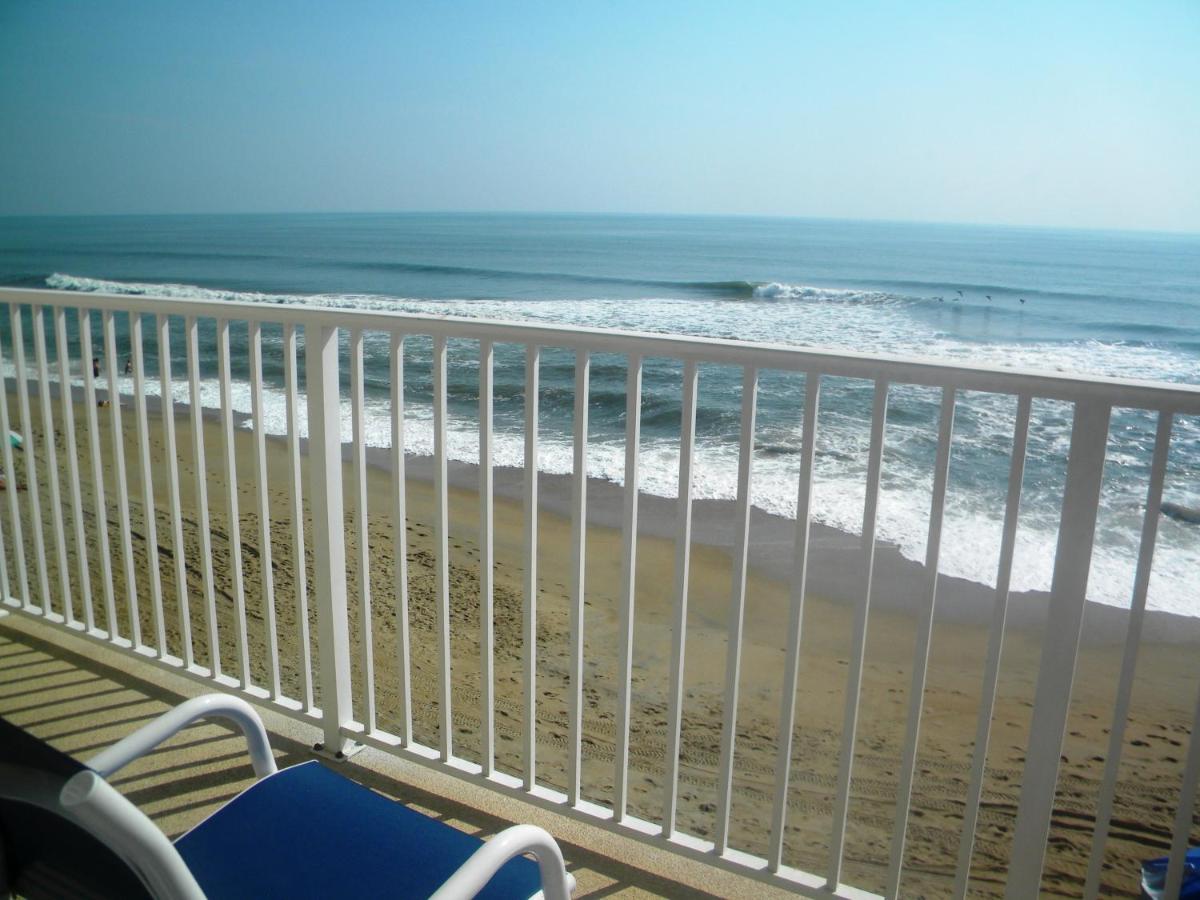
(1181, 513)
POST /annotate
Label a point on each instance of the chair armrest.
(110, 818)
(485, 862)
(208, 706)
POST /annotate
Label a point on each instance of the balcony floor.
(81, 696)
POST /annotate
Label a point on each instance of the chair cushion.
(309, 832)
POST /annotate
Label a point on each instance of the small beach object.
(1154, 877)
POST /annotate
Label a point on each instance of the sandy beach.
(1156, 736)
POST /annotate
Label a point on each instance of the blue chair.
(305, 831)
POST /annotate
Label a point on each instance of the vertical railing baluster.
(6, 595)
(149, 513)
(24, 601)
(204, 531)
(1184, 811)
(916, 697)
(14, 510)
(90, 366)
(225, 380)
(35, 506)
(683, 551)
(987, 703)
(633, 437)
(533, 357)
(1064, 622)
(122, 488)
(578, 567)
(400, 532)
(38, 325)
(329, 542)
(63, 350)
(442, 543)
(737, 609)
(359, 448)
(296, 509)
(267, 577)
(791, 667)
(837, 843)
(487, 637)
(1133, 640)
(171, 468)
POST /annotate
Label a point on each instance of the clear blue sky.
(1054, 113)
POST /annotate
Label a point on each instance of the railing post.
(328, 527)
(1060, 646)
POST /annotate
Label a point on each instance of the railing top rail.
(1179, 398)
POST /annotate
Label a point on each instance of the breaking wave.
(729, 290)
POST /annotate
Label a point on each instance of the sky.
(1078, 114)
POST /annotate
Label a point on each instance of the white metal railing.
(344, 685)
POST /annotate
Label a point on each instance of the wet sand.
(1156, 737)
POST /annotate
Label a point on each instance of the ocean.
(1116, 304)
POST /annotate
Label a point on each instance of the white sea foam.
(972, 528)
(64, 282)
(777, 291)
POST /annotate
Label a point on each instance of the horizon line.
(1142, 230)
